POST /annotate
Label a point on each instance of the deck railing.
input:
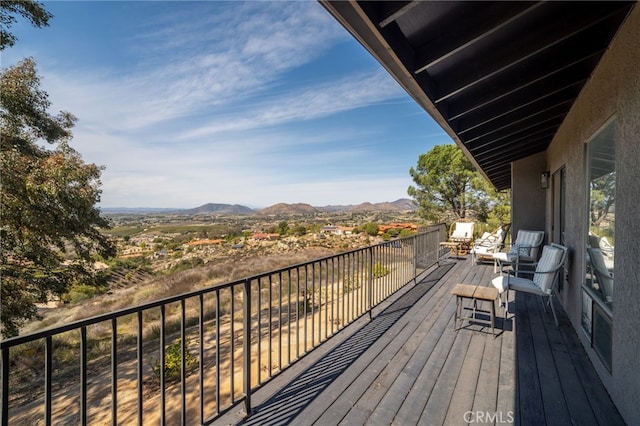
(190, 358)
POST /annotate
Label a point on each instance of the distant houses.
(382, 229)
(337, 230)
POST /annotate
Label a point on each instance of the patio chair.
(524, 250)
(488, 244)
(462, 233)
(606, 249)
(604, 278)
(544, 279)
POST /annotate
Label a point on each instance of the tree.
(601, 198)
(446, 183)
(492, 207)
(31, 10)
(283, 228)
(443, 182)
(371, 228)
(50, 228)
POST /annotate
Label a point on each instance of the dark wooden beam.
(545, 40)
(520, 104)
(547, 80)
(469, 30)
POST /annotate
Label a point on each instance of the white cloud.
(194, 117)
(207, 61)
(355, 91)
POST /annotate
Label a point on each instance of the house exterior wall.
(613, 91)
(527, 199)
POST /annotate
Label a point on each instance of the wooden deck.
(409, 366)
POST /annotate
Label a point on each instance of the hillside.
(401, 205)
(213, 208)
(289, 209)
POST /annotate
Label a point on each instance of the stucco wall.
(612, 92)
(528, 200)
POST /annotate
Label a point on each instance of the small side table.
(475, 293)
(452, 248)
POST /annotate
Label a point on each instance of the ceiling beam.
(469, 33)
(545, 43)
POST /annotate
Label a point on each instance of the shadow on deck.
(409, 366)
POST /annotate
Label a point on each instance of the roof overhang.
(498, 77)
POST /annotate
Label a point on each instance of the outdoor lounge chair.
(606, 249)
(462, 233)
(603, 277)
(490, 243)
(524, 250)
(544, 279)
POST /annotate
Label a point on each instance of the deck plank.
(599, 399)
(467, 382)
(507, 396)
(437, 406)
(343, 393)
(379, 371)
(404, 380)
(486, 397)
(555, 406)
(412, 407)
(409, 365)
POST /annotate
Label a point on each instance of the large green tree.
(50, 227)
(442, 180)
(448, 186)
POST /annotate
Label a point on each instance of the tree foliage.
(371, 228)
(33, 11)
(601, 197)
(447, 185)
(50, 227)
(442, 182)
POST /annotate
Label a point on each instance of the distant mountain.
(213, 208)
(405, 204)
(400, 205)
(138, 210)
(289, 209)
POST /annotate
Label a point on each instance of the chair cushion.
(550, 259)
(500, 283)
(463, 230)
(531, 239)
(505, 257)
(505, 282)
(524, 284)
(520, 250)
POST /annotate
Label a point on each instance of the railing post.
(4, 413)
(247, 344)
(415, 258)
(370, 281)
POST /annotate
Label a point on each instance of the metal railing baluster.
(217, 393)
(83, 375)
(162, 365)
(48, 360)
(328, 294)
(140, 369)
(201, 320)
(183, 363)
(114, 371)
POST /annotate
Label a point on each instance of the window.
(600, 243)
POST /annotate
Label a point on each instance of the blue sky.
(256, 103)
